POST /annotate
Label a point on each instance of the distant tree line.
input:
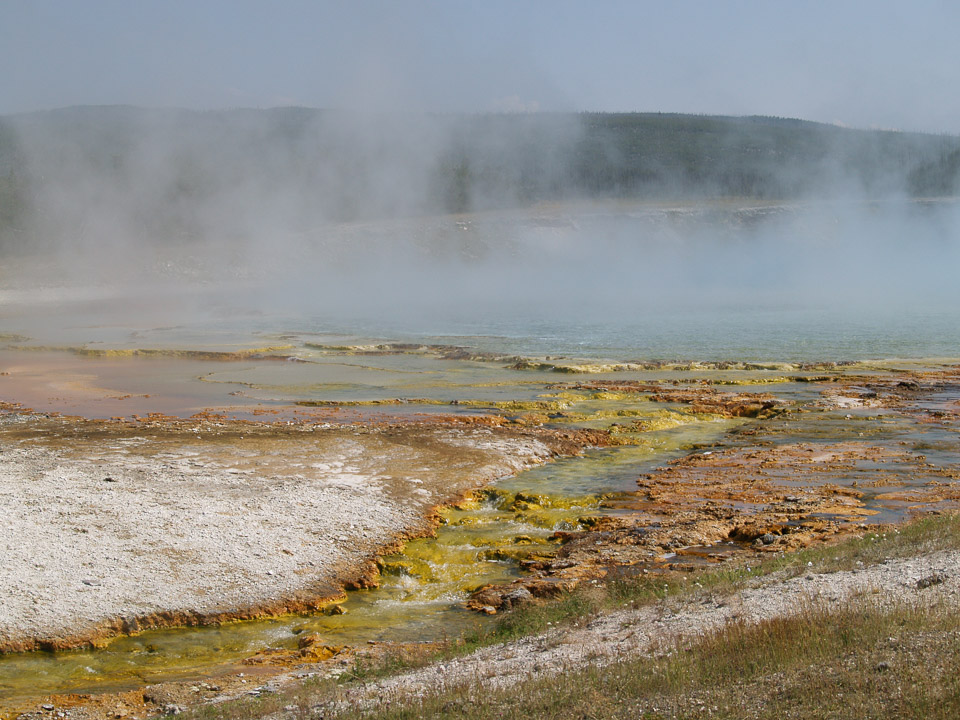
(173, 175)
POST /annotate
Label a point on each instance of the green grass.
(857, 661)
(849, 661)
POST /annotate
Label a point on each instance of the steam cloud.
(434, 221)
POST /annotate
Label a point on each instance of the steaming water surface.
(594, 288)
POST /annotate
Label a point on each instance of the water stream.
(422, 591)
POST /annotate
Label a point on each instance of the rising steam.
(429, 222)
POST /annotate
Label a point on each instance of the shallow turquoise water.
(831, 281)
(806, 291)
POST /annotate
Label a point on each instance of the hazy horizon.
(850, 64)
(467, 114)
(254, 205)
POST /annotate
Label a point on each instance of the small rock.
(131, 625)
(934, 579)
(171, 709)
(47, 707)
(516, 597)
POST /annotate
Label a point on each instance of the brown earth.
(759, 497)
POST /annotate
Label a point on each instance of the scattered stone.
(313, 649)
(161, 695)
(520, 596)
(933, 579)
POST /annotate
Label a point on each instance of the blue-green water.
(694, 334)
(726, 280)
(869, 284)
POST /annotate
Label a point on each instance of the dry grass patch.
(858, 661)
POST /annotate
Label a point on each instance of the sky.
(892, 65)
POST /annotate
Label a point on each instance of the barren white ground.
(92, 530)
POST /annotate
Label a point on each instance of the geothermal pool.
(661, 399)
(298, 381)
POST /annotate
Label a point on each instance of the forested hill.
(162, 175)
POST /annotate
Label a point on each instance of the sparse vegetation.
(852, 660)
(856, 661)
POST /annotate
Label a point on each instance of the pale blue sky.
(866, 64)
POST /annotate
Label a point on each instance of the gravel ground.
(104, 529)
